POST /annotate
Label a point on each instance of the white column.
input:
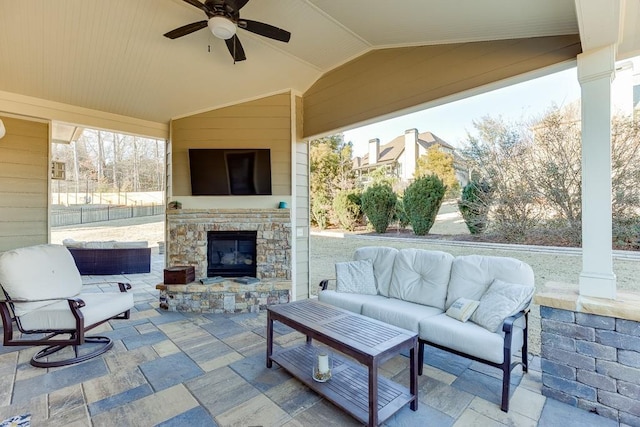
(595, 72)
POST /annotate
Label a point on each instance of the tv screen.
(222, 171)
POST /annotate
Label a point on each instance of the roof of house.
(392, 151)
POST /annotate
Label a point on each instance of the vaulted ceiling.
(111, 55)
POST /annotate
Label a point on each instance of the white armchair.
(41, 295)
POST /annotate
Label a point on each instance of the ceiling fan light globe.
(222, 27)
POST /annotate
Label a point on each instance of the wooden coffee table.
(355, 388)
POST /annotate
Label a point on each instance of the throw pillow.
(462, 309)
(356, 277)
(500, 301)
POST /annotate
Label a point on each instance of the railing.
(85, 214)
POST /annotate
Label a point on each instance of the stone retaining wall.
(592, 362)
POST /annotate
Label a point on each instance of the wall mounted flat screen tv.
(224, 172)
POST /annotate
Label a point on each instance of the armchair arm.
(12, 300)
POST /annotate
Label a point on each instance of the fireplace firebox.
(231, 253)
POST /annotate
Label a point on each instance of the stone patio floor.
(178, 369)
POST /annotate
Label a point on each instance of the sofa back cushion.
(471, 275)
(421, 276)
(382, 258)
(39, 272)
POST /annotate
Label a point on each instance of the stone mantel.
(187, 237)
(565, 296)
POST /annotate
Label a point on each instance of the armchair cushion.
(56, 275)
(98, 306)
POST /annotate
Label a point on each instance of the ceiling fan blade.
(186, 29)
(196, 3)
(237, 4)
(265, 30)
(235, 49)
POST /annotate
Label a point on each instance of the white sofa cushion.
(56, 275)
(471, 275)
(421, 276)
(351, 302)
(383, 258)
(356, 277)
(403, 314)
(468, 337)
(501, 300)
(98, 307)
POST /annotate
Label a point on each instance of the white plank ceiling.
(110, 55)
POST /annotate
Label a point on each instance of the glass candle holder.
(322, 366)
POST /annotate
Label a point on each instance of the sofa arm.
(507, 326)
(324, 284)
(124, 287)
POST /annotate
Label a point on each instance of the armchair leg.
(39, 360)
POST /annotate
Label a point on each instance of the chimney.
(410, 154)
(374, 151)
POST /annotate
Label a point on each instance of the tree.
(331, 171)
(378, 204)
(347, 208)
(554, 174)
(474, 205)
(498, 156)
(422, 200)
(437, 162)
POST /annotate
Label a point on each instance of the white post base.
(598, 285)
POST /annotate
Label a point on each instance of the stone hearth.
(224, 297)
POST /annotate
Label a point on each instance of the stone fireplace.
(188, 238)
(231, 243)
(231, 253)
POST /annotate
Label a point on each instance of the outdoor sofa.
(110, 257)
(474, 306)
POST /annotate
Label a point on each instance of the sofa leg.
(420, 356)
(506, 381)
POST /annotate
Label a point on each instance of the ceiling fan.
(223, 19)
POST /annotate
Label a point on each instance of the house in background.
(400, 157)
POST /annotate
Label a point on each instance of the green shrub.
(347, 208)
(320, 212)
(400, 215)
(378, 204)
(422, 200)
(474, 205)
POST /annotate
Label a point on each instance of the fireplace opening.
(231, 253)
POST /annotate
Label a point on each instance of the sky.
(452, 121)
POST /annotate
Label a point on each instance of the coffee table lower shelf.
(348, 387)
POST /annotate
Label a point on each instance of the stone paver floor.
(178, 369)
